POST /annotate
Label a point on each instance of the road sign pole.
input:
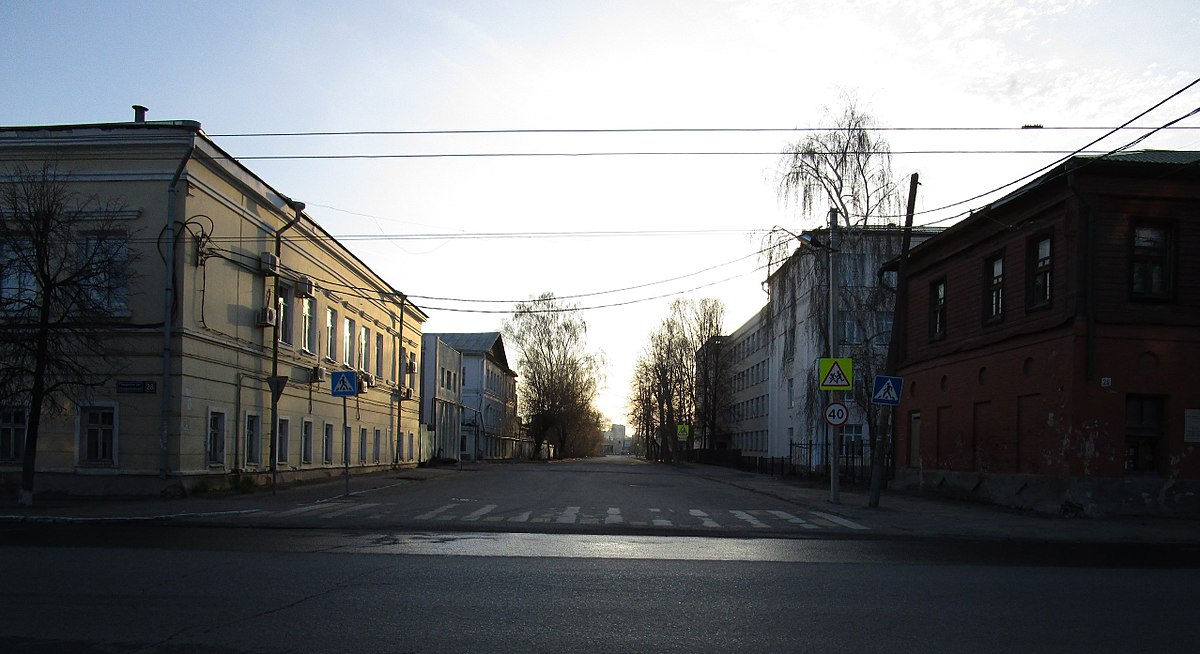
(346, 446)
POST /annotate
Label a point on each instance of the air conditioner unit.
(369, 379)
(305, 288)
(362, 385)
(266, 317)
(268, 263)
(408, 393)
(318, 374)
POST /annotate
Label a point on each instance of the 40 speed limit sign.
(836, 414)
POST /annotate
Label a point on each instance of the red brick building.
(1051, 345)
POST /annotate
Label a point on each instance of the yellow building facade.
(230, 284)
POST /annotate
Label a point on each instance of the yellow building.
(254, 289)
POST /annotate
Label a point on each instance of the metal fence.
(811, 461)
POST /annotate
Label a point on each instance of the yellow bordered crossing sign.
(836, 374)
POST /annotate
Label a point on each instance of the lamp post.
(834, 434)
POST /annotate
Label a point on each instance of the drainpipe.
(168, 306)
(297, 208)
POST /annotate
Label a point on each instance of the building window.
(308, 335)
(937, 310)
(331, 322)
(379, 355)
(216, 438)
(1152, 277)
(12, 433)
(282, 437)
(349, 333)
(1143, 432)
(362, 445)
(1041, 282)
(364, 349)
(791, 394)
(306, 442)
(993, 281)
(99, 434)
(346, 445)
(327, 445)
(105, 258)
(377, 448)
(849, 331)
(253, 438)
(286, 307)
(18, 286)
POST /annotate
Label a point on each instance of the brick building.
(1051, 342)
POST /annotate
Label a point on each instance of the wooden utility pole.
(885, 427)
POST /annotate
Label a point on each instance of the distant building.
(442, 405)
(489, 397)
(189, 405)
(615, 441)
(1051, 342)
(748, 351)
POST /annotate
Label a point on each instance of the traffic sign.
(887, 390)
(343, 383)
(682, 431)
(836, 413)
(836, 374)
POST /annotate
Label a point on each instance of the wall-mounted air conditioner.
(305, 288)
(268, 263)
(368, 379)
(266, 317)
(408, 393)
(318, 374)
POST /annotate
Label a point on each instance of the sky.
(558, 201)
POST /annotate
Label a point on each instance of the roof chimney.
(139, 113)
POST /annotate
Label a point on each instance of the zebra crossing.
(467, 512)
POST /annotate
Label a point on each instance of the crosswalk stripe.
(479, 513)
(704, 519)
(521, 517)
(613, 517)
(435, 512)
(793, 519)
(300, 509)
(753, 521)
(349, 509)
(569, 516)
(838, 520)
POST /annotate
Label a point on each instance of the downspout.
(297, 209)
(168, 314)
(1089, 275)
(402, 371)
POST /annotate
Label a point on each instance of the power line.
(659, 130)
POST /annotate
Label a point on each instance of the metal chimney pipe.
(139, 113)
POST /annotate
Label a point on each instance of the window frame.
(937, 309)
(1166, 258)
(993, 297)
(307, 430)
(15, 432)
(83, 426)
(1039, 276)
(253, 441)
(214, 457)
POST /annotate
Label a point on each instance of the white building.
(442, 402)
(489, 397)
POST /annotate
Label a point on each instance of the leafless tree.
(847, 169)
(559, 376)
(666, 379)
(65, 269)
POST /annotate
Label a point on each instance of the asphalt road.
(532, 559)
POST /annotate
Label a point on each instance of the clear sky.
(254, 67)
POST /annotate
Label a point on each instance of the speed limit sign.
(836, 413)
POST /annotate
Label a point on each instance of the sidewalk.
(898, 515)
(902, 515)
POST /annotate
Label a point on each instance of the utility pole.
(833, 434)
(880, 436)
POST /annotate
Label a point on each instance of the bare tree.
(559, 376)
(64, 275)
(666, 373)
(848, 169)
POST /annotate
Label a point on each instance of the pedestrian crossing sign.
(836, 374)
(887, 390)
(343, 383)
